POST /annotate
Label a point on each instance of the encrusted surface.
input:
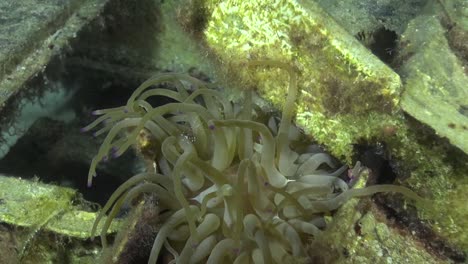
(365, 16)
(341, 83)
(35, 205)
(25, 24)
(436, 84)
(364, 237)
(33, 32)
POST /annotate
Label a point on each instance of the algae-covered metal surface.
(31, 204)
(36, 205)
(368, 238)
(37, 212)
(362, 17)
(436, 84)
(24, 24)
(32, 32)
(342, 85)
(33, 209)
(436, 94)
(360, 233)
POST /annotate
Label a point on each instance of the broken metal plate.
(31, 34)
(36, 205)
(436, 84)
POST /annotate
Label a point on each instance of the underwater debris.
(230, 188)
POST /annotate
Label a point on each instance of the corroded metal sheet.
(341, 83)
(32, 32)
(437, 83)
(36, 205)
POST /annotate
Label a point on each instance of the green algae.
(440, 176)
(30, 204)
(358, 233)
(436, 81)
(39, 206)
(49, 222)
(348, 96)
(340, 81)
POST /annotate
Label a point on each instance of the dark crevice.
(384, 45)
(377, 159)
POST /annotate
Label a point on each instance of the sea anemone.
(232, 189)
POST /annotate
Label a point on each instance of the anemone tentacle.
(234, 189)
